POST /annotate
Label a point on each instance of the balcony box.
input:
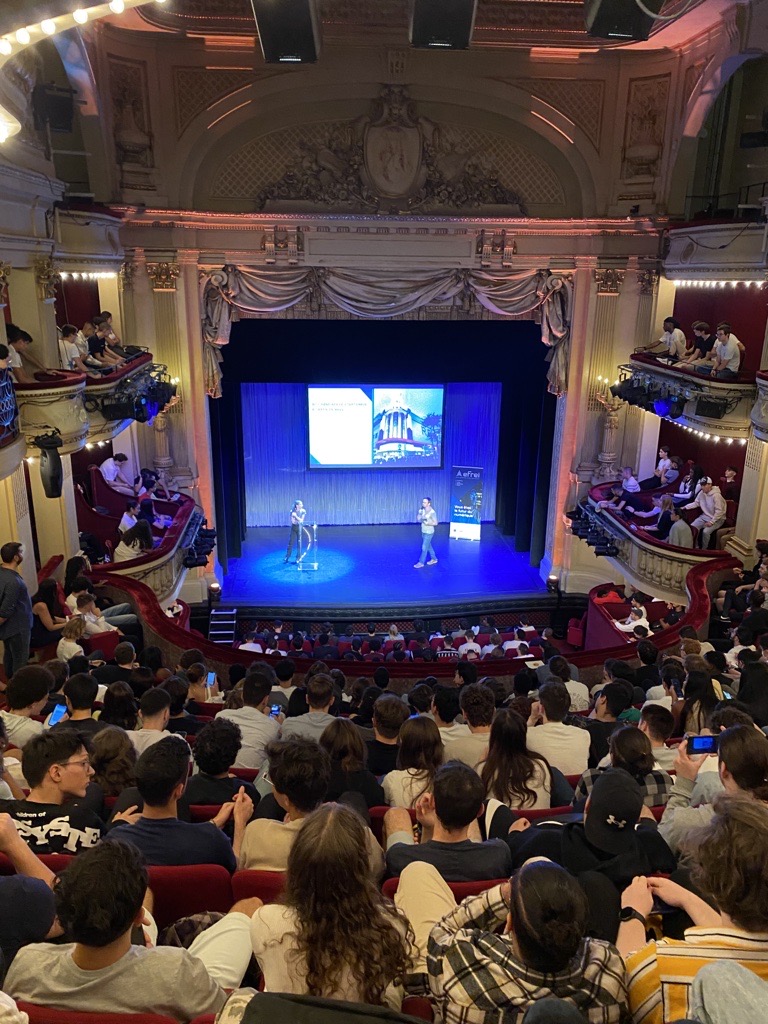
(55, 399)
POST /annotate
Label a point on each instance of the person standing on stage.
(428, 519)
(297, 522)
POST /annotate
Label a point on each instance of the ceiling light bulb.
(3, 133)
(48, 26)
(80, 16)
(23, 36)
(117, 6)
(6, 47)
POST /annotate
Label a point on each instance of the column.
(601, 362)
(31, 294)
(641, 429)
(55, 518)
(752, 517)
(17, 521)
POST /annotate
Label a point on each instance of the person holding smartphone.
(298, 513)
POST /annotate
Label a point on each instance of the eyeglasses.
(86, 763)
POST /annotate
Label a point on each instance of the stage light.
(6, 47)
(553, 583)
(51, 471)
(117, 6)
(662, 406)
(676, 407)
(23, 37)
(80, 16)
(48, 26)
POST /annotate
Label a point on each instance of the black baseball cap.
(614, 808)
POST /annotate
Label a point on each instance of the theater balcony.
(53, 402)
(713, 408)
(161, 569)
(759, 415)
(649, 564)
(125, 395)
(12, 444)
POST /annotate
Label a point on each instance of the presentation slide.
(379, 425)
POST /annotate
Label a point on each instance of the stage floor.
(371, 567)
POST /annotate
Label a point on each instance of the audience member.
(565, 747)
(477, 704)
(120, 708)
(113, 758)
(27, 910)
(389, 714)
(179, 719)
(161, 779)
(419, 755)
(344, 744)
(216, 748)
(629, 748)
(609, 704)
(256, 726)
(446, 709)
(447, 816)
(658, 724)
(319, 697)
(26, 695)
(81, 691)
(511, 773)
(154, 712)
(282, 690)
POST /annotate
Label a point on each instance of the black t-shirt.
(54, 828)
(130, 798)
(26, 913)
(599, 732)
(87, 726)
(187, 725)
(456, 862)
(382, 757)
(326, 653)
(363, 782)
(756, 621)
(96, 345)
(108, 674)
(647, 676)
(205, 789)
(704, 345)
(168, 841)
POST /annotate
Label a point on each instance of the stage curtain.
(382, 294)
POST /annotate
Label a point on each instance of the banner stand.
(466, 502)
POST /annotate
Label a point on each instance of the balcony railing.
(650, 564)
(54, 400)
(114, 400)
(718, 408)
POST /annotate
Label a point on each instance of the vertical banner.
(466, 502)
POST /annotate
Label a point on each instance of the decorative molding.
(609, 280)
(5, 273)
(644, 127)
(647, 281)
(127, 274)
(580, 100)
(134, 148)
(163, 275)
(47, 277)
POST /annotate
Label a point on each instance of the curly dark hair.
(113, 757)
(343, 921)
(217, 746)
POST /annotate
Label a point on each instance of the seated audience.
(419, 755)
(300, 772)
(470, 648)
(681, 536)
(113, 758)
(26, 695)
(477, 704)
(154, 712)
(661, 473)
(565, 747)
(712, 509)
(81, 691)
(446, 709)
(48, 618)
(730, 868)
(112, 470)
(57, 768)
(629, 748)
(725, 356)
(120, 671)
(753, 691)
(344, 745)
(658, 724)
(129, 516)
(332, 934)
(559, 668)
(216, 748)
(609, 704)
(319, 698)
(447, 816)
(635, 618)
(256, 727)
(135, 542)
(179, 720)
(543, 956)
(161, 779)
(100, 899)
(27, 910)
(389, 714)
(701, 699)
(282, 690)
(742, 766)
(511, 773)
(72, 631)
(120, 708)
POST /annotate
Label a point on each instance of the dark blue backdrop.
(275, 460)
(399, 352)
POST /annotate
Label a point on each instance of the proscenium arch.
(498, 108)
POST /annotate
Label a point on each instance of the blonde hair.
(74, 628)
(394, 632)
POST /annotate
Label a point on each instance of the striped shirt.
(477, 978)
(661, 973)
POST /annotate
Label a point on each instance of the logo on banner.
(467, 502)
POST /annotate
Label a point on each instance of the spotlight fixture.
(676, 407)
(51, 472)
(553, 583)
(662, 406)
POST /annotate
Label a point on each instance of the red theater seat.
(203, 812)
(541, 814)
(248, 774)
(189, 889)
(377, 820)
(45, 1015)
(416, 1006)
(267, 885)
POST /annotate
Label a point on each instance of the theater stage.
(368, 570)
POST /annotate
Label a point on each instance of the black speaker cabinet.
(289, 30)
(619, 19)
(442, 24)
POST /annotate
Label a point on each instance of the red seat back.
(189, 889)
(416, 1006)
(267, 885)
(203, 812)
(44, 1015)
(545, 812)
(377, 820)
(104, 642)
(248, 774)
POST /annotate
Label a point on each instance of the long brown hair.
(113, 757)
(510, 766)
(343, 921)
(421, 749)
(343, 742)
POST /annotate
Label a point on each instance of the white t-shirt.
(109, 470)
(66, 649)
(468, 647)
(729, 349)
(565, 746)
(674, 341)
(14, 361)
(579, 695)
(630, 485)
(127, 522)
(403, 787)
(68, 352)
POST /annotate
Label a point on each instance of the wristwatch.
(630, 914)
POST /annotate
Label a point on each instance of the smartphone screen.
(702, 744)
(276, 709)
(211, 680)
(57, 714)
